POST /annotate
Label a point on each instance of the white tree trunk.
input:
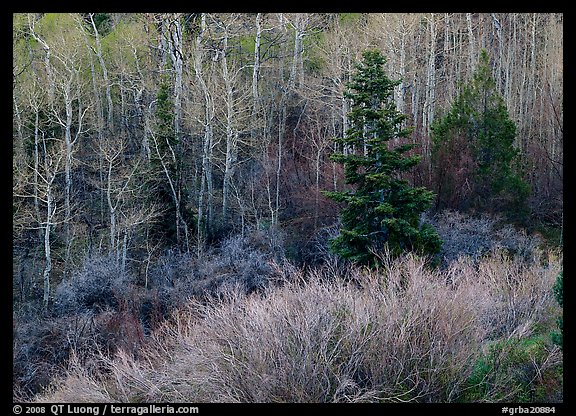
(47, 249)
(110, 115)
(471, 44)
(176, 55)
(428, 111)
(256, 70)
(206, 176)
(231, 131)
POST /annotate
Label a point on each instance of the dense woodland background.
(144, 143)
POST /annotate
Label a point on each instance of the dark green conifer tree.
(167, 160)
(476, 164)
(381, 207)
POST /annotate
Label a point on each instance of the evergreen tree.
(167, 163)
(382, 208)
(475, 161)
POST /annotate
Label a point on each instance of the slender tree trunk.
(402, 86)
(231, 131)
(123, 117)
(51, 169)
(206, 176)
(36, 163)
(297, 68)
(164, 36)
(110, 115)
(256, 70)
(428, 111)
(68, 165)
(415, 99)
(99, 124)
(47, 247)
(111, 205)
(498, 26)
(471, 44)
(177, 56)
(124, 252)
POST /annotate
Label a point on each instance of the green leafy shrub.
(514, 370)
(558, 337)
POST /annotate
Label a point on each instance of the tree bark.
(472, 58)
(231, 131)
(206, 176)
(428, 111)
(175, 42)
(110, 115)
(256, 70)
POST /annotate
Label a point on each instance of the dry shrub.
(476, 236)
(403, 333)
(81, 384)
(99, 283)
(243, 260)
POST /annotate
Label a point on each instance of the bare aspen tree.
(297, 69)
(206, 183)
(99, 125)
(531, 87)
(70, 94)
(47, 54)
(430, 99)
(320, 140)
(126, 205)
(231, 127)
(472, 55)
(256, 71)
(176, 54)
(51, 168)
(282, 120)
(287, 90)
(63, 70)
(403, 29)
(448, 50)
(497, 26)
(47, 192)
(415, 98)
(98, 51)
(112, 154)
(175, 48)
(34, 103)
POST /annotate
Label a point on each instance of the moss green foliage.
(62, 32)
(558, 337)
(509, 372)
(103, 23)
(165, 113)
(167, 143)
(313, 61)
(124, 44)
(349, 18)
(383, 209)
(474, 157)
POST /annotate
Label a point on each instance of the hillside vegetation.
(287, 207)
(474, 332)
(477, 329)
